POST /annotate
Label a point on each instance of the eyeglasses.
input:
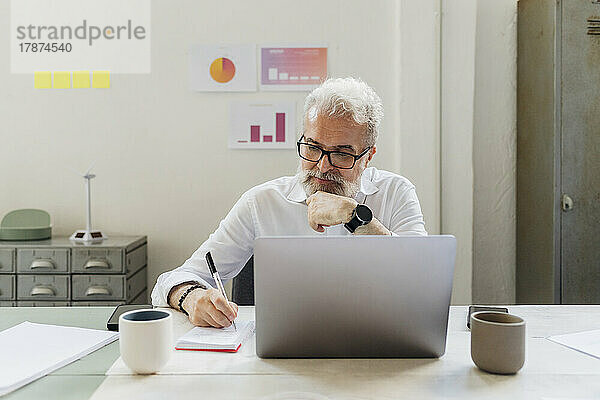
(338, 159)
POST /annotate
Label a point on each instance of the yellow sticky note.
(62, 80)
(81, 79)
(101, 79)
(42, 80)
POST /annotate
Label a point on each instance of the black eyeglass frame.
(328, 153)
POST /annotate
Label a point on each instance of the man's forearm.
(372, 228)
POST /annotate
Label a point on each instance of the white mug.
(146, 339)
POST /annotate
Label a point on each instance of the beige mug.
(146, 339)
(497, 342)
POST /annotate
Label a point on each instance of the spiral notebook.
(216, 339)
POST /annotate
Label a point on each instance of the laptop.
(353, 296)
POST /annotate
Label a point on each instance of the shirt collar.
(298, 194)
(367, 187)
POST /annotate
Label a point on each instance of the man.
(333, 193)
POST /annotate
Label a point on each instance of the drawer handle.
(97, 290)
(42, 263)
(42, 291)
(96, 264)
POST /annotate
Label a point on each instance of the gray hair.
(347, 98)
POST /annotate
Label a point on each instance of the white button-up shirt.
(278, 208)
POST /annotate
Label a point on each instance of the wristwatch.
(361, 215)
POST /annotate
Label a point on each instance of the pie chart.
(222, 70)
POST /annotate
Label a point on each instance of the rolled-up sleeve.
(230, 246)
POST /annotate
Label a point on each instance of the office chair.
(242, 287)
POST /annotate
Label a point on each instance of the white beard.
(337, 184)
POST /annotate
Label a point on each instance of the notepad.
(216, 339)
(29, 351)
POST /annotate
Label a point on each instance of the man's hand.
(326, 209)
(205, 307)
(209, 308)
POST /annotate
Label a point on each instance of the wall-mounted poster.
(262, 126)
(216, 68)
(292, 68)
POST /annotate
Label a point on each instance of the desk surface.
(550, 372)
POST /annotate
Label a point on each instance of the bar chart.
(292, 68)
(264, 126)
(279, 131)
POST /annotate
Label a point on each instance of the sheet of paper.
(30, 351)
(219, 336)
(587, 342)
(101, 79)
(81, 79)
(262, 125)
(566, 398)
(226, 68)
(42, 80)
(62, 80)
(287, 68)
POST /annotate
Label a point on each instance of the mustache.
(329, 175)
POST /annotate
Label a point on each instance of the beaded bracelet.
(184, 295)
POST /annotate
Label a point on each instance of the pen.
(217, 278)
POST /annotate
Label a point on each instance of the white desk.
(551, 371)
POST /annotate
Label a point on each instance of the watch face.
(364, 213)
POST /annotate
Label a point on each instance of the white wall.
(163, 166)
(418, 51)
(479, 145)
(494, 153)
(458, 66)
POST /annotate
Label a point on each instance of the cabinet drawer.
(7, 287)
(43, 287)
(37, 261)
(97, 261)
(136, 284)
(98, 287)
(7, 257)
(96, 303)
(7, 303)
(136, 259)
(42, 303)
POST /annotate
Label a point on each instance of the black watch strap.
(184, 295)
(352, 224)
(361, 215)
